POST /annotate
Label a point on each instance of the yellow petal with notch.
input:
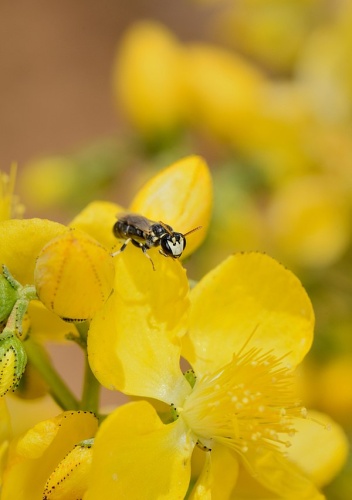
(249, 300)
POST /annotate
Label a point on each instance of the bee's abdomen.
(124, 230)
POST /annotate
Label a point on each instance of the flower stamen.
(249, 403)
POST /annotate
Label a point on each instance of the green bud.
(8, 297)
(13, 359)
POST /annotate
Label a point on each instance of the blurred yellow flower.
(147, 79)
(10, 207)
(326, 386)
(309, 221)
(224, 91)
(324, 68)
(46, 182)
(271, 32)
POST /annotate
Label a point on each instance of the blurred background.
(95, 97)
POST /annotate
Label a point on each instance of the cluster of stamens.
(250, 402)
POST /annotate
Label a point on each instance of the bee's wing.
(136, 220)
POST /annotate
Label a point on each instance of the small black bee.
(145, 234)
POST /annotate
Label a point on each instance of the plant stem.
(57, 387)
(91, 386)
(91, 390)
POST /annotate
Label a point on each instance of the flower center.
(248, 403)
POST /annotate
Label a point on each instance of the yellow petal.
(218, 477)
(5, 434)
(136, 456)
(5, 425)
(34, 456)
(319, 447)
(248, 300)
(280, 476)
(69, 480)
(133, 343)
(74, 275)
(97, 219)
(21, 242)
(181, 196)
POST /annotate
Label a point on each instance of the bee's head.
(172, 245)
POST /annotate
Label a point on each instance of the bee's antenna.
(192, 230)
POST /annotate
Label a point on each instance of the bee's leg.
(144, 247)
(122, 248)
(144, 250)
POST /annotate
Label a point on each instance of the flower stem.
(91, 390)
(91, 386)
(57, 387)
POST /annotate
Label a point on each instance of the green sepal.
(8, 297)
(87, 443)
(191, 377)
(13, 360)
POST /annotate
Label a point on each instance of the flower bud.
(13, 361)
(74, 275)
(148, 79)
(8, 297)
(70, 478)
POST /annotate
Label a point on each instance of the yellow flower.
(273, 33)
(323, 67)
(224, 92)
(48, 182)
(249, 322)
(39, 455)
(324, 385)
(147, 79)
(9, 204)
(309, 220)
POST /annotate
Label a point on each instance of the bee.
(145, 234)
